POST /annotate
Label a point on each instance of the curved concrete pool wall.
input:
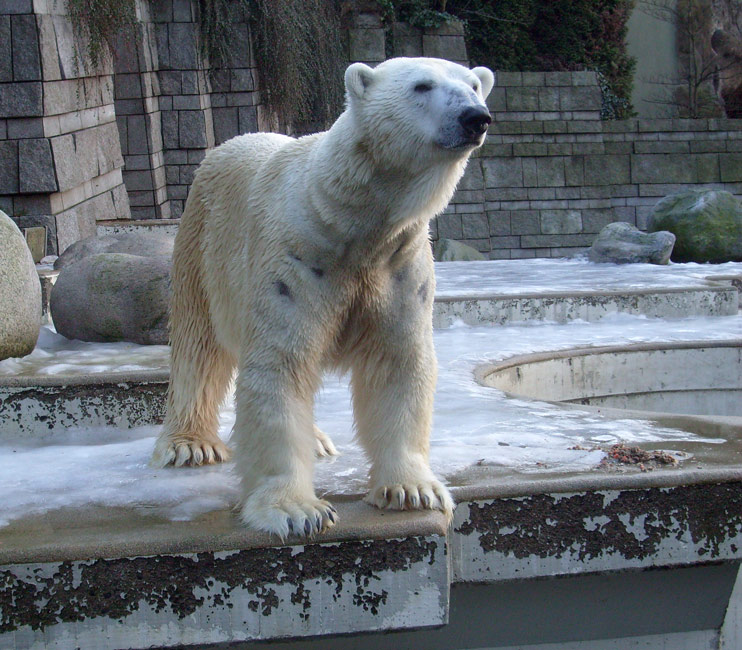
(701, 378)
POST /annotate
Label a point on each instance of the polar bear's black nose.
(475, 120)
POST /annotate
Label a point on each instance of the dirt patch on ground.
(621, 456)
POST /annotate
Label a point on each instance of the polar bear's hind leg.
(325, 448)
(201, 370)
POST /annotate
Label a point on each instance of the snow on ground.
(472, 423)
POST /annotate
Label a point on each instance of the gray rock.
(622, 243)
(707, 224)
(113, 297)
(20, 293)
(130, 243)
(450, 250)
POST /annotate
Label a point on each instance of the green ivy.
(417, 13)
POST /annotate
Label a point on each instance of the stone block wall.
(60, 159)
(370, 42)
(139, 119)
(186, 123)
(171, 109)
(552, 174)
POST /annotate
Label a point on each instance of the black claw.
(318, 522)
(291, 524)
(331, 516)
(307, 527)
(426, 501)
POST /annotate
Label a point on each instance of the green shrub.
(541, 35)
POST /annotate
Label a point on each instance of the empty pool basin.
(700, 381)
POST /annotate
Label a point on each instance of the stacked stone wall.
(139, 119)
(171, 108)
(552, 174)
(60, 159)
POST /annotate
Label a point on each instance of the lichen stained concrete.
(550, 534)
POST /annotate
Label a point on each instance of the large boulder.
(622, 243)
(707, 224)
(113, 297)
(131, 243)
(20, 293)
(450, 250)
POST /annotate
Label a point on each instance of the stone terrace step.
(112, 227)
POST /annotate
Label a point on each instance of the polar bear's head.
(419, 107)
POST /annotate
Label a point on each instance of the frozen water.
(472, 424)
(518, 277)
(56, 355)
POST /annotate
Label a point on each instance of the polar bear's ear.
(487, 78)
(358, 77)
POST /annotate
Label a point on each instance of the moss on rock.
(707, 225)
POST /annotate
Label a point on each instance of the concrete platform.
(605, 557)
(116, 226)
(119, 579)
(720, 298)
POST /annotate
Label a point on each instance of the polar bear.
(298, 255)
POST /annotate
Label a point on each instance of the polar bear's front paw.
(289, 517)
(189, 452)
(420, 495)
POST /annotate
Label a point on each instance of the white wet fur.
(298, 255)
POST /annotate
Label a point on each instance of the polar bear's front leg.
(275, 445)
(393, 383)
(393, 402)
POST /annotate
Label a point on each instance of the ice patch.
(473, 425)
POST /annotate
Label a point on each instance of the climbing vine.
(298, 44)
(216, 20)
(300, 52)
(97, 23)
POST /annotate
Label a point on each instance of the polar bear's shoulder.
(256, 147)
(238, 160)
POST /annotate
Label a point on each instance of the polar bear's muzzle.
(474, 121)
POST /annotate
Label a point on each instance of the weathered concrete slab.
(210, 581)
(156, 226)
(39, 405)
(588, 305)
(546, 534)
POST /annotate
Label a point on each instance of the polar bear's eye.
(423, 87)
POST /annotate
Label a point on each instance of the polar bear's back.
(228, 170)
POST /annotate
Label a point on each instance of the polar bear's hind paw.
(324, 447)
(194, 452)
